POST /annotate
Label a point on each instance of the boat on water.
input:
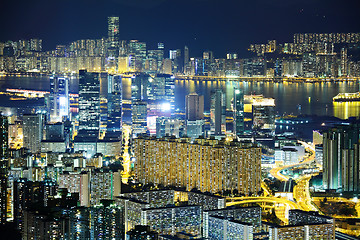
(347, 97)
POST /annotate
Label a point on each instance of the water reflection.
(344, 110)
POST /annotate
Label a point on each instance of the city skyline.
(170, 119)
(221, 27)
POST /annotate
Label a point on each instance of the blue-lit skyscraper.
(140, 87)
(89, 102)
(57, 101)
(114, 104)
(238, 111)
(163, 89)
(139, 117)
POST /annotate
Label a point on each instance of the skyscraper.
(341, 158)
(89, 102)
(58, 100)
(194, 107)
(114, 104)
(163, 89)
(186, 56)
(140, 87)
(139, 117)
(137, 55)
(264, 115)
(217, 113)
(33, 131)
(238, 112)
(113, 33)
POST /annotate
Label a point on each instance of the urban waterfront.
(291, 98)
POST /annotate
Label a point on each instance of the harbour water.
(290, 98)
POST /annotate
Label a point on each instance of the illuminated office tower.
(309, 64)
(163, 89)
(341, 158)
(175, 56)
(194, 107)
(139, 117)
(114, 107)
(186, 58)
(264, 115)
(89, 103)
(209, 165)
(113, 35)
(137, 55)
(141, 87)
(238, 111)
(33, 125)
(217, 113)
(58, 104)
(155, 58)
(208, 55)
(104, 184)
(169, 90)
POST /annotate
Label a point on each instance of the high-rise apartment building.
(33, 125)
(77, 183)
(89, 102)
(208, 165)
(104, 184)
(341, 158)
(4, 154)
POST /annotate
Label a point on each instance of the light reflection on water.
(344, 110)
(290, 98)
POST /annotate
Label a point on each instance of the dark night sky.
(218, 25)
